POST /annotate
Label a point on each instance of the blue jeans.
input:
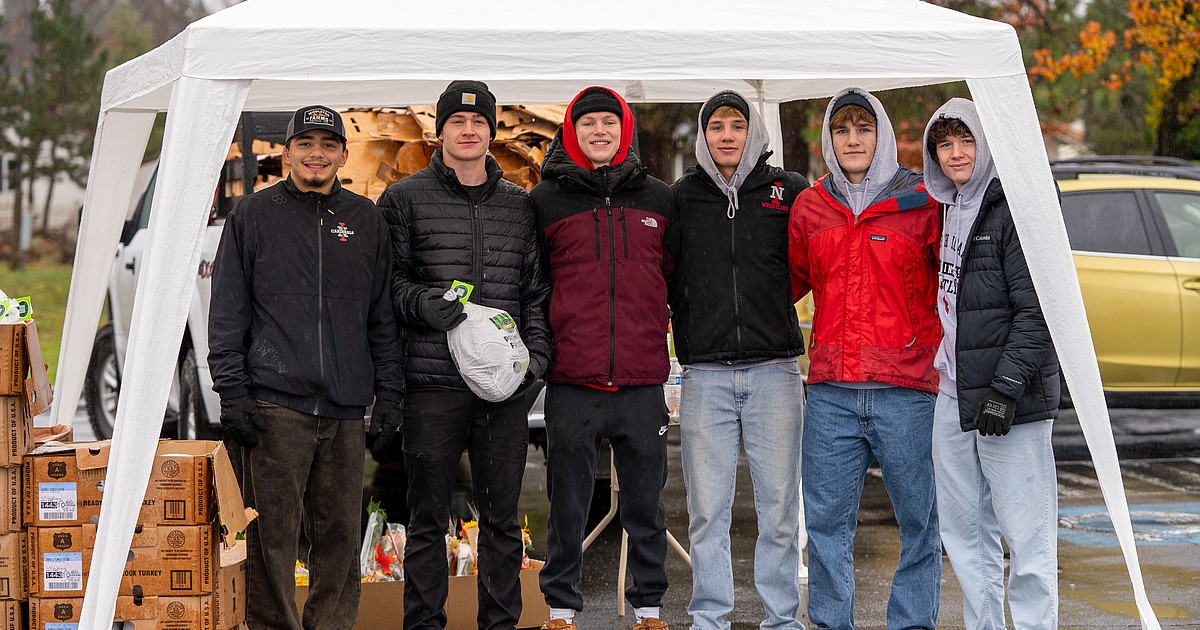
(993, 486)
(760, 407)
(844, 430)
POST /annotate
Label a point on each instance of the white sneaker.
(803, 573)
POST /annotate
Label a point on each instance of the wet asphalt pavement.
(1164, 498)
(1160, 460)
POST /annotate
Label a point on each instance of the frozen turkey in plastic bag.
(488, 351)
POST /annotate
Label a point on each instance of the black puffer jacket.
(1003, 341)
(438, 236)
(731, 297)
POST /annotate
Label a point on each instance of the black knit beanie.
(732, 99)
(853, 98)
(592, 100)
(466, 96)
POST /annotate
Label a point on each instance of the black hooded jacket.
(438, 236)
(731, 295)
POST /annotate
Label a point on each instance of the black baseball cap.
(315, 117)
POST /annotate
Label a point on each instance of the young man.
(737, 336)
(998, 393)
(302, 339)
(864, 240)
(609, 230)
(459, 219)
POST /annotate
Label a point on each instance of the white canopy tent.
(283, 54)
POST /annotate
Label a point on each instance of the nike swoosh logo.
(662, 430)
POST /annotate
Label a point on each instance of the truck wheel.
(102, 384)
(191, 422)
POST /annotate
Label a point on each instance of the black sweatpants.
(438, 426)
(634, 419)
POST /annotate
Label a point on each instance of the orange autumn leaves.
(1164, 38)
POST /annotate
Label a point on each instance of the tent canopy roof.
(634, 46)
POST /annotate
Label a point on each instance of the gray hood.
(883, 166)
(939, 186)
(756, 145)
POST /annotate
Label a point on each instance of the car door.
(124, 274)
(1129, 288)
(1180, 211)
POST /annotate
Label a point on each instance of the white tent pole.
(188, 172)
(117, 153)
(1005, 106)
(770, 115)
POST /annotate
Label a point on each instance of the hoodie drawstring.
(732, 195)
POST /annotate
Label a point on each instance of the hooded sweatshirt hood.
(756, 146)
(883, 166)
(939, 186)
(961, 211)
(570, 142)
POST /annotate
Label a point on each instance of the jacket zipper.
(612, 294)
(320, 303)
(477, 248)
(624, 232)
(596, 216)
(737, 316)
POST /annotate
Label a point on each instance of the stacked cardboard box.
(177, 576)
(24, 393)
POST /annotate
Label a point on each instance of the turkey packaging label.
(488, 351)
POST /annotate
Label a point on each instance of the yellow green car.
(1136, 243)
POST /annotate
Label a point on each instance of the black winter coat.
(1003, 341)
(300, 313)
(731, 296)
(439, 235)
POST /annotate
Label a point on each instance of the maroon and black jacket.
(610, 238)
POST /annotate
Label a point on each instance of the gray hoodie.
(756, 145)
(961, 211)
(883, 166)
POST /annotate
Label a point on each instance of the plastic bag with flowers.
(381, 558)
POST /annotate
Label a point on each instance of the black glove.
(241, 420)
(386, 419)
(995, 415)
(440, 313)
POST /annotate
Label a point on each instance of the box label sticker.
(62, 571)
(57, 501)
(62, 626)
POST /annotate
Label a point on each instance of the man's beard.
(315, 182)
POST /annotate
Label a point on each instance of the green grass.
(47, 285)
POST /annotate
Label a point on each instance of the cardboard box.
(191, 483)
(222, 609)
(14, 360)
(10, 499)
(14, 582)
(56, 433)
(16, 430)
(22, 370)
(163, 560)
(382, 604)
(11, 616)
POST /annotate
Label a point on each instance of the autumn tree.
(1147, 57)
